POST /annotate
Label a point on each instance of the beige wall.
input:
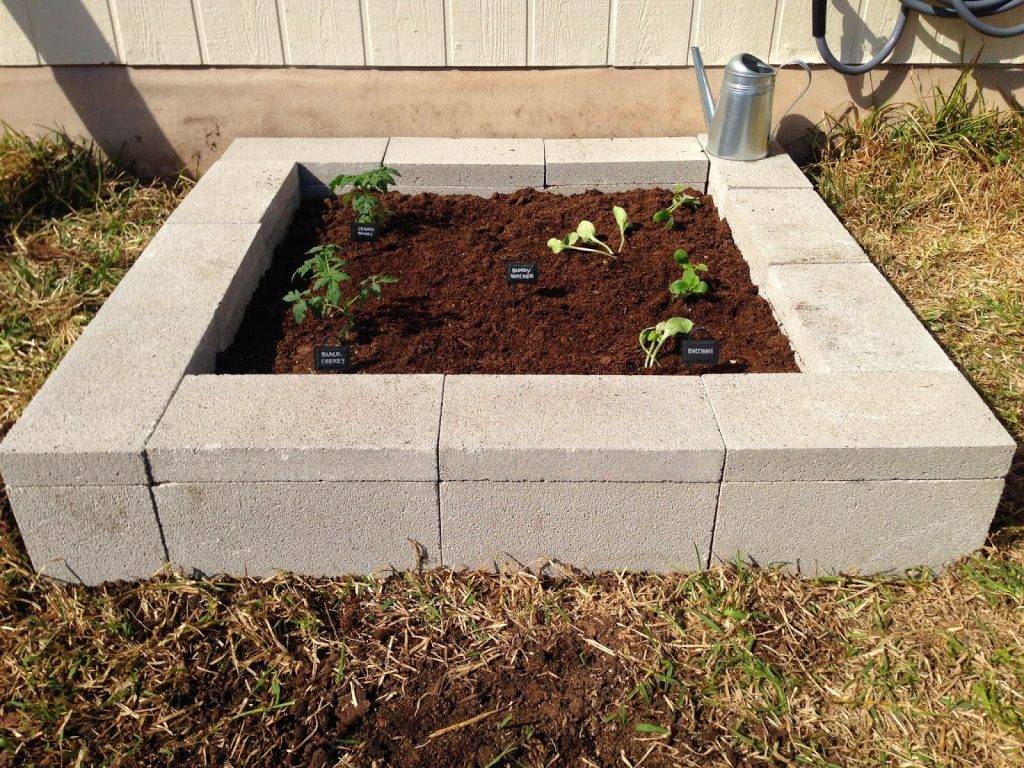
(164, 119)
(465, 33)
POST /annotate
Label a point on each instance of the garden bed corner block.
(877, 456)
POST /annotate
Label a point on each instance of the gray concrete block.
(844, 318)
(441, 162)
(631, 161)
(88, 423)
(320, 529)
(406, 189)
(864, 527)
(261, 428)
(777, 171)
(857, 426)
(265, 193)
(787, 226)
(89, 534)
(628, 428)
(635, 526)
(612, 188)
(319, 160)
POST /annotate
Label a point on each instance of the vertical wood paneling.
(405, 33)
(569, 33)
(324, 32)
(651, 32)
(241, 32)
(793, 30)
(158, 32)
(723, 28)
(487, 33)
(73, 31)
(16, 46)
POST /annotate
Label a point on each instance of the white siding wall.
(464, 33)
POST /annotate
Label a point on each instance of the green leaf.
(571, 239)
(586, 230)
(681, 257)
(299, 311)
(556, 245)
(662, 216)
(673, 326)
(677, 287)
(652, 728)
(621, 217)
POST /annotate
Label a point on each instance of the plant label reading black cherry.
(521, 273)
(364, 233)
(333, 359)
(699, 351)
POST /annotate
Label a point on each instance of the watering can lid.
(748, 65)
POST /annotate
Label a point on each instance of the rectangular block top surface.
(467, 162)
(240, 193)
(776, 171)
(365, 152)
(666, 160)
(858, 426)
(583, 428)
(299, 428)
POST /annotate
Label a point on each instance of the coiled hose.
(971, 11)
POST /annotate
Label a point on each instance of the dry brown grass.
(733, 667)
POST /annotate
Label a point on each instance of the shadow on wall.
(104, 98)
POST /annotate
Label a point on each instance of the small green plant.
(666, 216)
(653, 339)
(586, 233)
(622, 219)
(323, 296)
(690, 283)
(364, 197)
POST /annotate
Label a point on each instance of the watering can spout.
(706, 100)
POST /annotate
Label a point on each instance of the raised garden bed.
(877, 455)
(452, 310)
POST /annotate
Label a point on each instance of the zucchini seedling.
(690, 283)
(666, 216)
(326, 272)
(653, 339)
(585, 233)
(364, 197)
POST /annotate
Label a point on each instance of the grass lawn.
(732, 667)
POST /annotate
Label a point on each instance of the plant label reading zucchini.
(364, 233)
(521, 273)
(333, 359)
(699, 351)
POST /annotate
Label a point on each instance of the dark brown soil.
(452, 311)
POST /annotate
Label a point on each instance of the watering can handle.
(806, 68)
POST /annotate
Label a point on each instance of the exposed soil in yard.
(453, 312)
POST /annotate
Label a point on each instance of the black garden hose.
(971, 11)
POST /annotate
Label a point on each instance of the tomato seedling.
(364, 197)
(653, 339)
(585, 233)
(690, 283)
(323, 296)
(666, 216)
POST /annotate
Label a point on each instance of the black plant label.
(521, 273)
(333, 359)
(699, 351)
(364, 233)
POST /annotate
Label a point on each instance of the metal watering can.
(739, 128)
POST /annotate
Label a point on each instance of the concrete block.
(635, 526)
(776, 171)
(448, 190)
(240, 193)
(865, 527)
(844, 318)
(88, 423)
(320, 528)
(261, 428)
(599, 428)
(89, 534)
(787, 226)
(857, 426)
(439, 162)
(577, 189)
(633, 161)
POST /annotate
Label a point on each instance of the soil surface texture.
(452, 310)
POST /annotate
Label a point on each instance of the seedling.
(364, 197)
(690, 283)
(586, 233)
(323, 296)
(622, 219)
(653, 339)
(679, 199)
